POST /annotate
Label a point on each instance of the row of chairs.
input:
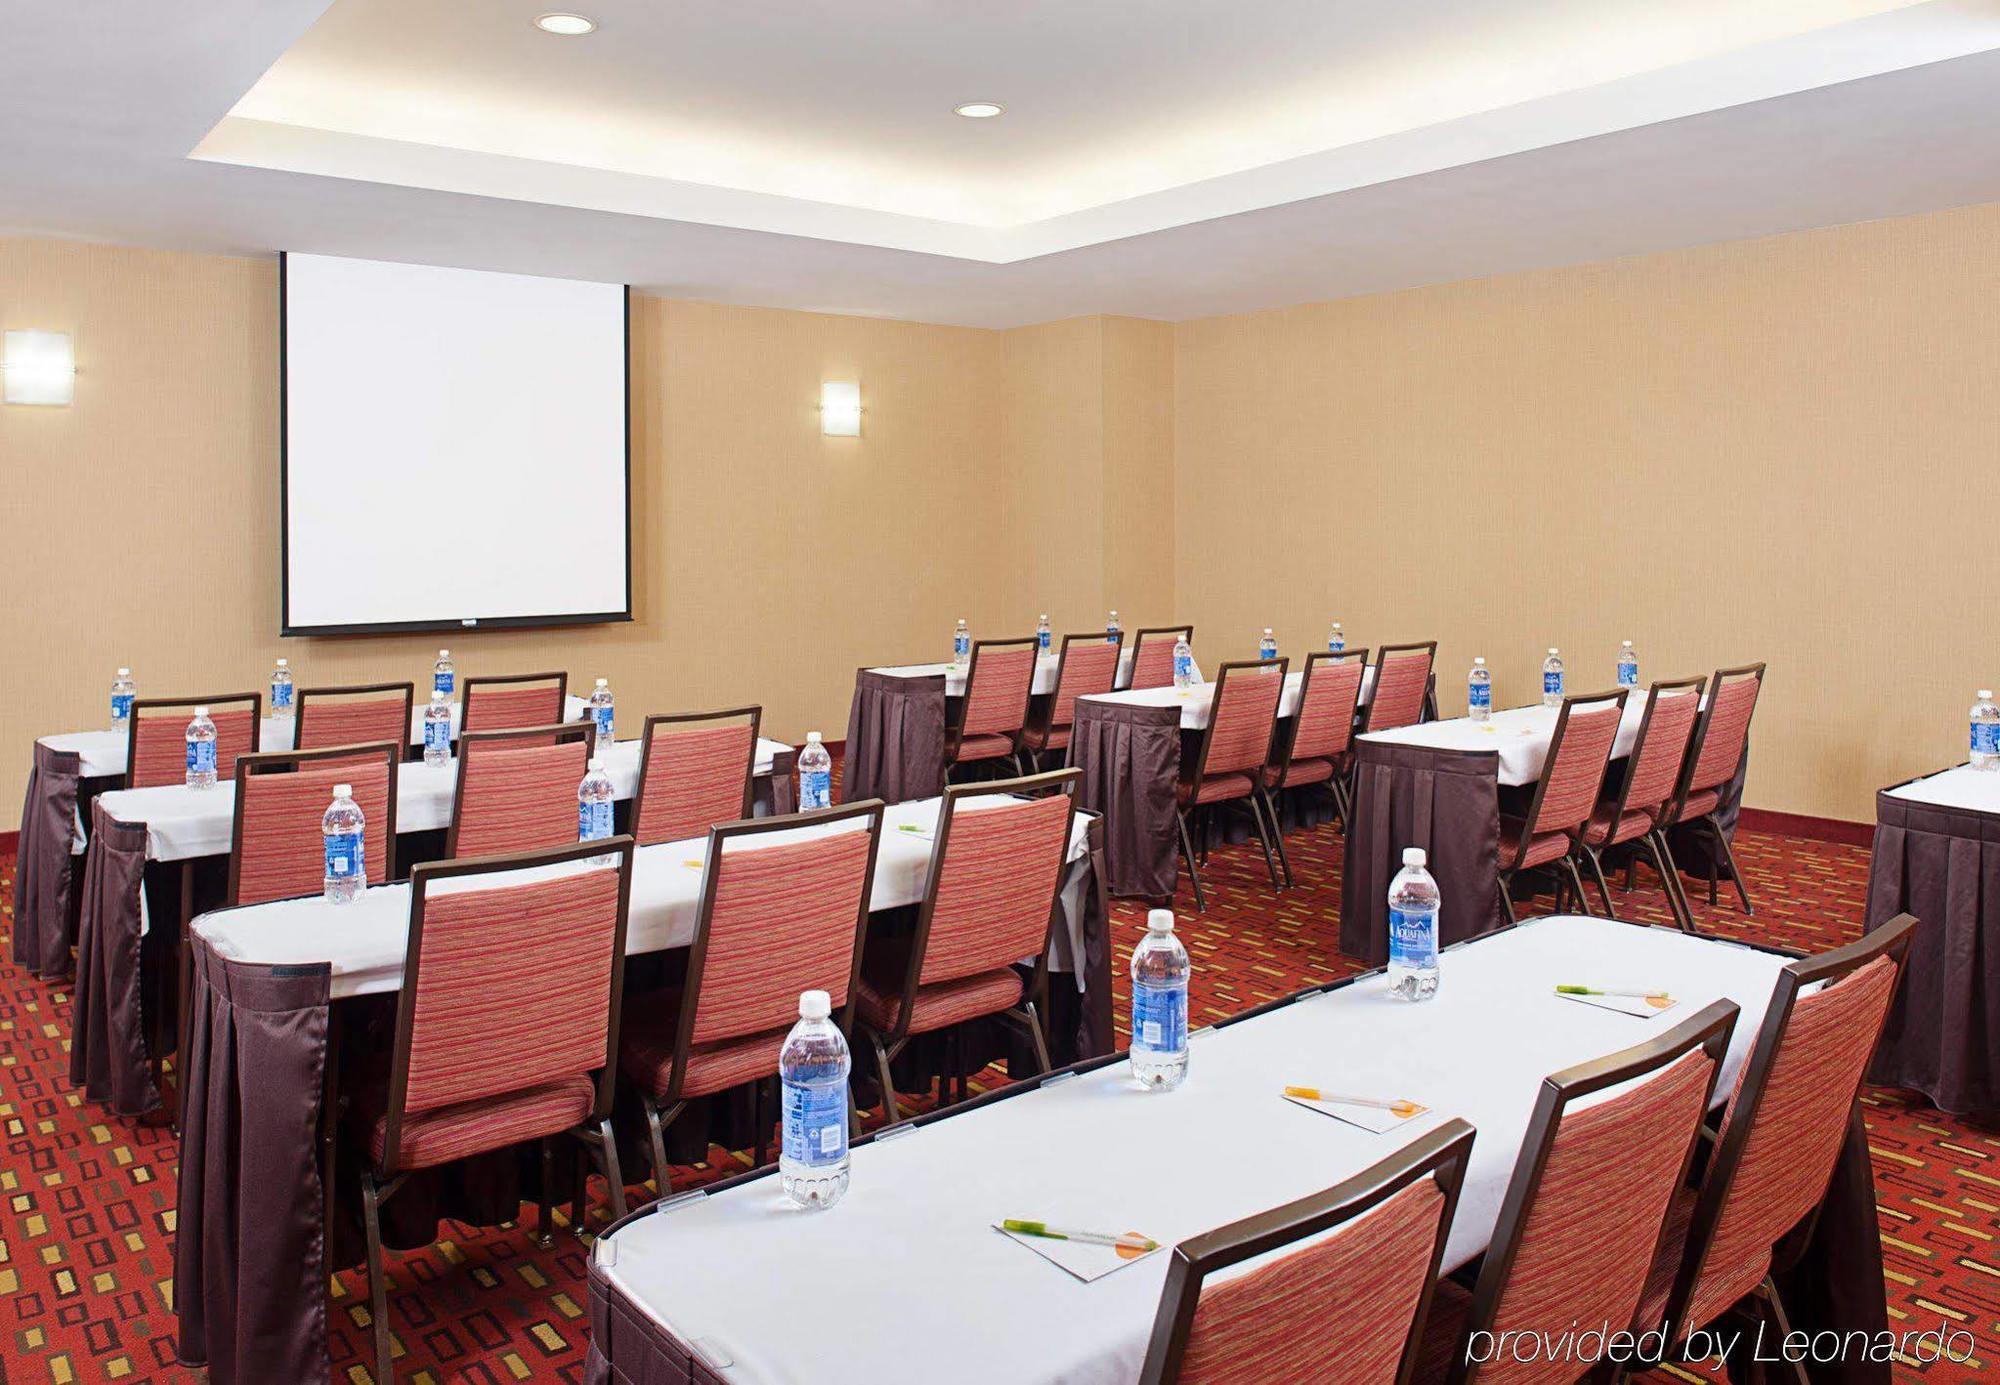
(1626, 1212)
(513, 1027)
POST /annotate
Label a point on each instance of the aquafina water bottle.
(1160, 973)
(593, 802)
(1479, 692)
(961, 643)
(1267, 648)
(1112, 629)
(281, 691)
(1336, 639)
(813, 1066)
(1628, 666)
(201, 751)
(1043, 635)
(437, 729)
(123, 690)
(1413, 930)
(601, 714)
(1552, 680)
(1183, 661)
(815, 775)
(1985, 732)
(444, 675)
(346, 851)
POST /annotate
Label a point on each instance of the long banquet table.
(142, 837)
(683, 1290)
(251, 1260)
(1937, 856)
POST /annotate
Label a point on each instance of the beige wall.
(1776, 450)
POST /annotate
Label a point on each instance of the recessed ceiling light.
(979, 110)
(565, 25)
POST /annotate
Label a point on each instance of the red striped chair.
(1343, 1288)
(1228, 765)
(276, 849)
(506, 1028)
(990, 900)
(1402, 685)
(156, 740)
(1652, 771)
(1087, 665)
(696, 770)
(1322, 731)
(778, 917)
(998, 683)
(1153, 656)
(517, 789)
(359, 715)
(1582, 1218)
(1572, 779)
(506, 702)
(1720, 739)
(1794, 1107)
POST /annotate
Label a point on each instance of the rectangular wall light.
(38, 368)
(840, 408)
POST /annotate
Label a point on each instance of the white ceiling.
(1165, 158)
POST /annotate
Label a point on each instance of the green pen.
(1629, 995)
(1129, 1241)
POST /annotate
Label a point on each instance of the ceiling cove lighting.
(979, 110)
(40, 368)
(565, 25)
(840, 408)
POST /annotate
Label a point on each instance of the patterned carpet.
(86, 1229)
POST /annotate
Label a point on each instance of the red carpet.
(86, 1228)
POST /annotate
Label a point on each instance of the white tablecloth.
(1961, 787)
(1195, 702)
(1520, 735)
(367, 939)
(1045, 673)
(1096, 1152)
(182, 823)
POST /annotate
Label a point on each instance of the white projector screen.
(455, 448)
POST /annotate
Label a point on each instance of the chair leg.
(544, 1206)
(579, 1195)
(1576, 883)
(1729, 859)
(1194, 872)
(1506, 900)
(614, 1176)
(1263, 839)
(1603, 886)
(378, 1287)
(1034, 1022)
(657, 1135)
(1774, 1308)
(891, 1116)
(1277, 833)
(1670, 879)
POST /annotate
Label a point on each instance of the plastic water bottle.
(123, 690)
(346, 852)
(1336, 639)
(1413, 930)
(1552, 680)
(1267, 648)
(1043, 634)
(1628, 666)
(1160, 1005)
(815, 775)
(437, 729)
(593, 802)
(1985, 732)
(201, 751)
(600, 714)
(444, 677)
(281, 692)
(1112, 629)
(1479, 692)
(1183, 662)
(961, 644)
(813, 1066)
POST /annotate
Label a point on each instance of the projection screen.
(455, 448)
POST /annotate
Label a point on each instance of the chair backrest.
(1242, 717)
(998, 684)
(511, 982)
(778, 919)
(156, 740)
(1658, 753)
(504, 702)
(1327, 697)
(696, 769)
(1402, 681)
(1579, 753)
(1087, 665)
(359, 715)
(276, 848)
(1790, 1113)
(1153, 656)
(517, 789)
(1724, 729)
(1590, 1194)
(1341, 1287)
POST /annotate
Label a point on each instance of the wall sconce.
(39, 368)
(840, 409)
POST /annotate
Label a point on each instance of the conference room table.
(251, 1260)
(1937, 856)
(1439, 786)
(70, 770)
(683, 1290)
(152, 850)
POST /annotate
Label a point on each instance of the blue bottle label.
(1628, 675)
(437, 733)
(1183, 668)
(344, 855)
(1986, 738)
(1479, 696)
(815, 1123)
(602, 716)
(441, 682)
(1043, 637)
(201, 757)
(815, 788)
(1159, 1018)
(1412, 938)
(281, 694)
(1336, 646)
(1111, 634)
(593, 821)
(121, 706)
(1552, 683)
(960, 648)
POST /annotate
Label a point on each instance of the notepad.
(1639, 1007)
(1087, 1262)
(1373, 1119)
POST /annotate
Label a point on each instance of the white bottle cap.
(281, 663)
(1413, 856)
(1160, 920)
(815, 1005)
(812, 738)
(1336, 625)
(1114, 613)
(201, 711)
(1986, 694)
(596, 763)
(343, 791)
(1045, 615)
(1267, 629)
(1552, 649)
(1479, 663)
(444, 654)
(124, 673)
(604, 682)
(1628, 644)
